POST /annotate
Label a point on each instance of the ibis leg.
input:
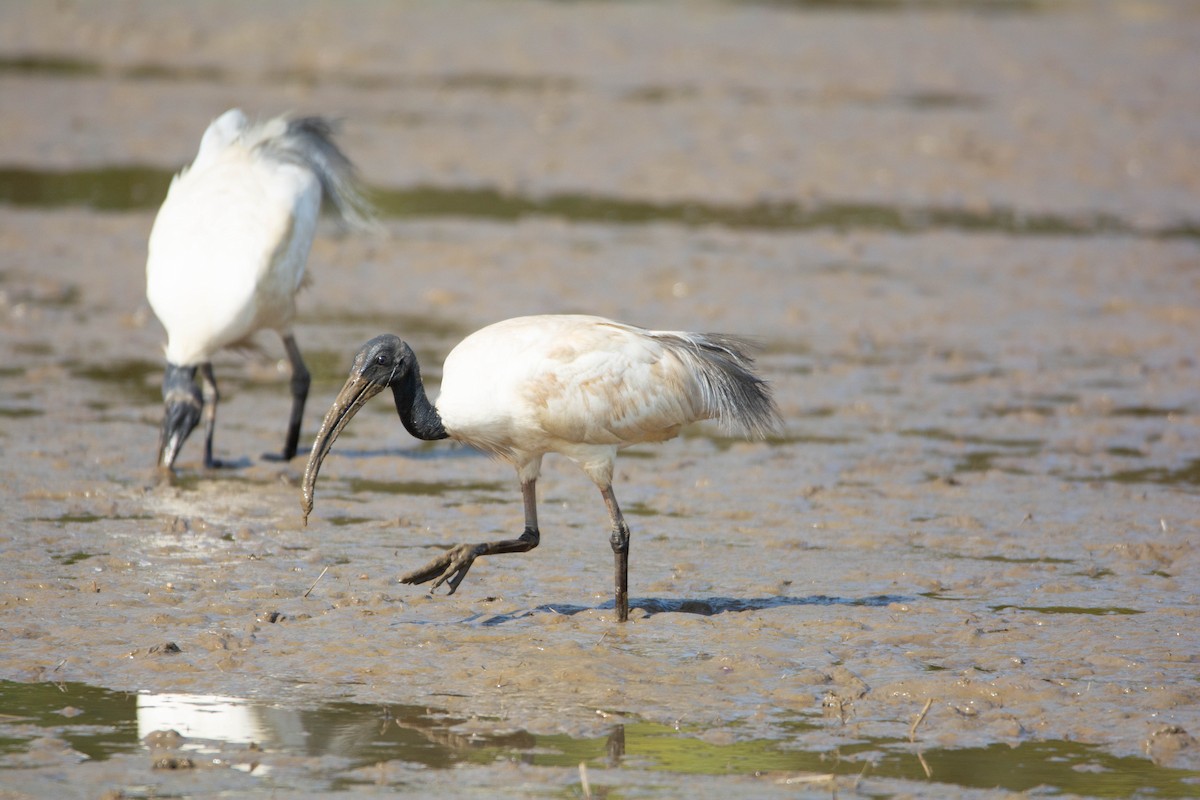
(619, 539)
(208, 390)
(301, 380)
(451, 567)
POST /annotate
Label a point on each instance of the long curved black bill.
(183, 407)
(175, 430)
(350, 399)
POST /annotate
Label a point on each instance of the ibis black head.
(377, 365)
(183, 405)
(383, 360)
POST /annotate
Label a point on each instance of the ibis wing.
(615, 385)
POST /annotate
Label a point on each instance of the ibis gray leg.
(301, 380)
(619, 539)
(451, 567)
(208, 390)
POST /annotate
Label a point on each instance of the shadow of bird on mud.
(705, 607)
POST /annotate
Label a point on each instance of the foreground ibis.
(581, 386)
(227, 255)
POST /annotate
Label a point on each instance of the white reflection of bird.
(581, 386)
(227, 255)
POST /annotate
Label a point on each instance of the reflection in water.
(219, 719)
(101, 724)
(362, 734)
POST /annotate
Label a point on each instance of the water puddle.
(48, 65)
(931, 100)
(766, 215)
(942, 435)
(85, 517)
(1010, 560)
(981, 460)
(1093, 611)
(229, 481)
(497, 84)
(65, 67)
(493, 83)
(722, 442)
(132, 188)
(985, 461)
(998, 559)
(975, 6)
(340, 745)
(135, 380)
(103, 189)
(1185, 477)
(67, 559)
(422, 488)
(1148, 412)
(428, 326)
(342, 521)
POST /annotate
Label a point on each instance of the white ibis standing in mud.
(227, 256)
(581, 386)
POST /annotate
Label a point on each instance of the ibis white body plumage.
(578, 385)
(228, 251)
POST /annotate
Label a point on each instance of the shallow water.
(132, 188)
(965, 236)
(341, 746)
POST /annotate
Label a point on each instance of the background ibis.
(227, 255)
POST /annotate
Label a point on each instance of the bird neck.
(419, 416)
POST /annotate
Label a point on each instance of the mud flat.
(966, 236)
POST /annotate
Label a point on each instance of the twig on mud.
(912, 731)
(583, 780)
(318, 580)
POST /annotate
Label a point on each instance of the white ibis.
(227, 255)
(581, 386)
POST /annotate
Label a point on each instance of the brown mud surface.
(966, 235)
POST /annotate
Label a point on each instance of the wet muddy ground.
(966, 235)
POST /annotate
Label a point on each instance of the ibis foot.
(451, 567)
